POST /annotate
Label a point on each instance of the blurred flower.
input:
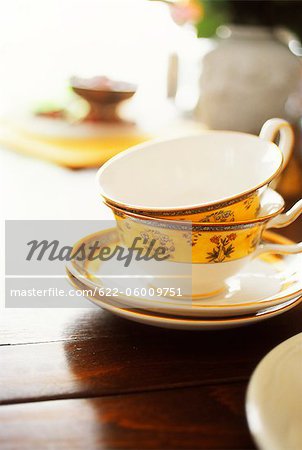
(184, 11)
(205, 15)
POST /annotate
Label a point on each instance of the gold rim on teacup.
(270, 198)
(235, 209)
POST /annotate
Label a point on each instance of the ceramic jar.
(246, 79)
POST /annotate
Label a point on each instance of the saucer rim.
(262, 304)
(111, 306)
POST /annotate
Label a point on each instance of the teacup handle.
(279, 222)
(269, 132)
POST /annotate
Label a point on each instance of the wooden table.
(84, 379)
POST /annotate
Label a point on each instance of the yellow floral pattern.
(223, 248)
(200, 244)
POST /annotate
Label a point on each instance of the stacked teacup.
(204, 201)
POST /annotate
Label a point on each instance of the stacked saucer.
(190, 247)
(270, 285)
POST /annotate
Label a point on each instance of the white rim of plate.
(223, 309)
(116, 307)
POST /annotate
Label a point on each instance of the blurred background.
(81, 80)
(44, 43)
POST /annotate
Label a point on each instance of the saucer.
(274, 398)
(176, 323)
(267, 281)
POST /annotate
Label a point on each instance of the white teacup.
(214, 176)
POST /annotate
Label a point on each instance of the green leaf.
(216, 13)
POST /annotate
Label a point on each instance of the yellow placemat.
(73, 152)
(84, 144)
